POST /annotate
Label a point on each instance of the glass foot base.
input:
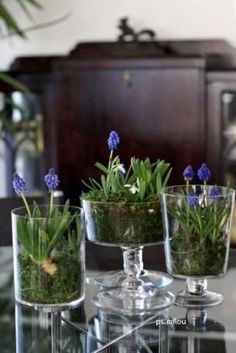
(51, 308)
(126, 302)
(150, 278)
(206, 299)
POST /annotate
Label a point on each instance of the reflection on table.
(87, 329)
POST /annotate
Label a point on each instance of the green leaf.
(9, 21)
(101, 167)
(158, 183)
(104, 185)
(23, 235)
(13, 82)
(164, 183)
(34, 3)
(64, 224)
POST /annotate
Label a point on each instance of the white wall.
(97, 20)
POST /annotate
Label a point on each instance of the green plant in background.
(9, 20)
(200, 218)
(10, 23)
(9, 26)
(26, 131)
(125, 205)
(50, 238)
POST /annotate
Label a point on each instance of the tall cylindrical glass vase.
(49, 259)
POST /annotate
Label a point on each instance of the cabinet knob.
(127, 78)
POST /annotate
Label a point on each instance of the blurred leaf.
(13, 82)
(9, 20)
(34, 3)
(24, 6)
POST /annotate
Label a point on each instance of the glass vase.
(131, 227)
(197, 225)
(49, 258)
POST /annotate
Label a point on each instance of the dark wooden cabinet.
(156, 105)
(162, 103)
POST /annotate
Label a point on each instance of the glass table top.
(87, 329)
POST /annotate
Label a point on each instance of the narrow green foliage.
(142, 182)
(40, 233)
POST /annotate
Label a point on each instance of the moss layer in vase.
(120, 223)
(198, 259)
(39, 286)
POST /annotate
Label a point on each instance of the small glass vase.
(131, 227)
(197, 225)
(49, 257)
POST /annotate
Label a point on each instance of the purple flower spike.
(188, 173)
(192, 199)
(51, 180)
(204, 172)
(113, 140)
(18, 184)
(214, 193)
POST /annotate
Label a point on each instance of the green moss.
(196, 258)
(126, 223)
(38, 286)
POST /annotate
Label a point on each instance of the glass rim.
(142, 203)
(46, 206)
(167, 190)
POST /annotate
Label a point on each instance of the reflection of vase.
(192, 336)
(128, 334)
(197, 224)
(130, 226)
(40, 332)
(48, 257)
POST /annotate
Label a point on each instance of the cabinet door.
(221, 122)
(158, 112)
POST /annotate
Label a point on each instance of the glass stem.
(133, 266)
(196, 286)
(55, 332)
(197, 317)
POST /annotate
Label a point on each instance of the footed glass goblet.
(197, 225)
(131, 226)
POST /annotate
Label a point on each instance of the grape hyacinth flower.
(52, 182)
(188, 173)
(113, 140)
(19, 186)
(214, 193)
(193, 199)
(204, 173)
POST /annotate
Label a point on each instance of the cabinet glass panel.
(21, 140)
(229, 137)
